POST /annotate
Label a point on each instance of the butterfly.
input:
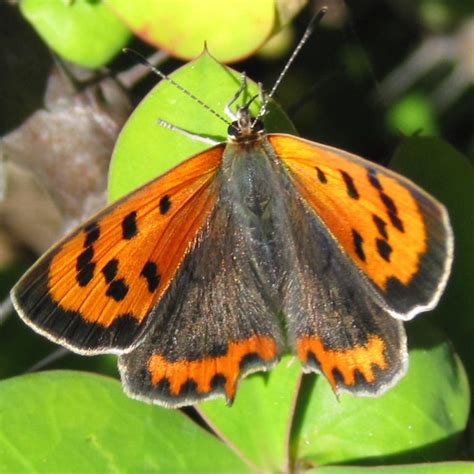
(258, 245)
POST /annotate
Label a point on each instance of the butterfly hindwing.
(94, 291)
(334, 325)
(395, 233)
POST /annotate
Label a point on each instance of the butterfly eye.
(233, 131)
(257, 126)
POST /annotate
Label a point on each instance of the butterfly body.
(256, 246)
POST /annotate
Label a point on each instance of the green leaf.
(448, 175)
(420, 419)
(85, 32)
(144, 150)
(259, 421)
(77, 422)
(413, 114)
(231, 32)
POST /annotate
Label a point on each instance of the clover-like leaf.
(70, 421)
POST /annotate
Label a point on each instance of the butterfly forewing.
(94, 291)
(396, 234)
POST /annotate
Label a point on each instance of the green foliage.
(230, 33)
(431, 468)
(77, 422)
(83, 420)
(85, 32)
(413, 114)
(91, 32)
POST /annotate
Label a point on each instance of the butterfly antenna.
(308, 32)
(164, 76)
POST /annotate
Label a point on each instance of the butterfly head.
(245, 129)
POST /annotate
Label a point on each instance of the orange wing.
(93, 292)
(396, 234)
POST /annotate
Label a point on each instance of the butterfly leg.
(243, 86)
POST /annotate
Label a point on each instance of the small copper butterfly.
(261, 244)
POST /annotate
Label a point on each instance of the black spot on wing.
(321, 176)
(384, 249)
(249, 360)
(396, 222)
(359, 378)
(351, 189)
(358, 244)
(110, 270)
(129, 226)
(163, 386)
(85, 267)
(388, 202)
(338, 377)
(188, 389)
(85, 274)
(373, 180)
(381, 226)
(151, 275)
(92, 231)
(165, 204)
(313, 361)
(218, 382)
(84, 258)
(117, 290)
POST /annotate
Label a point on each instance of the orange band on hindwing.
(206, 371)
(345, 362)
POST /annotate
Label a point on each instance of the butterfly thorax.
(246, 129)
(254, 183)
